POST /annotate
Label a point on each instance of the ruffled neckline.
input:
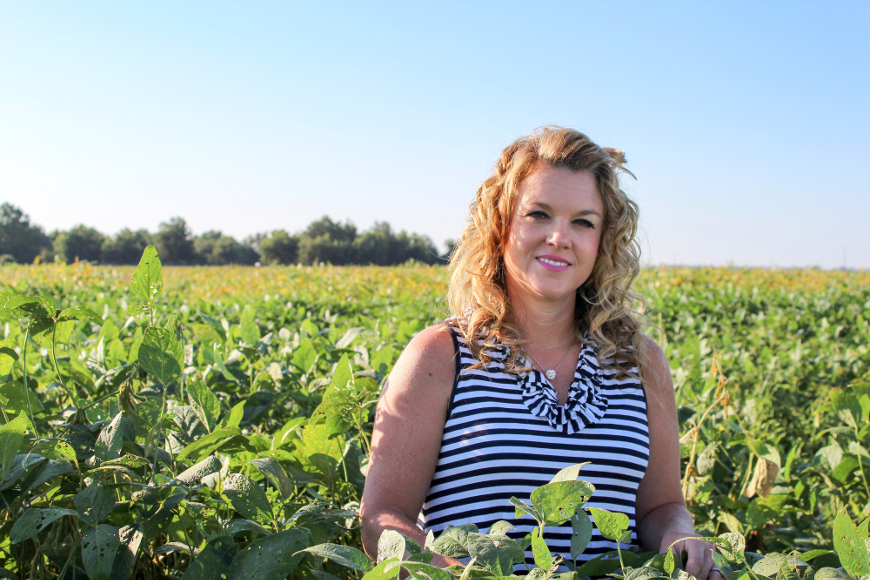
(586, 404)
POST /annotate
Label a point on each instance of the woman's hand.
(699, 561)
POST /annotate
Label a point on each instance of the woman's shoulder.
(436, 342)
(655, 370)
(427, 362)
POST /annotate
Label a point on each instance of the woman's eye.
(585, 224)
(537, 214)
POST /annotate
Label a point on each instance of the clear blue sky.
(746, 123)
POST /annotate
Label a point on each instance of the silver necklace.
(551, 373)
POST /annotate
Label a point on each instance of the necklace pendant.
(551, 374)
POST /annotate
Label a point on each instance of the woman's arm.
(662, 516)
(406, 440)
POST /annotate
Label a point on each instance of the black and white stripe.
(506, 435)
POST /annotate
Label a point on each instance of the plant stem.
(57, 368)
(26, 390)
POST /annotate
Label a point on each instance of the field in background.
(770, 369)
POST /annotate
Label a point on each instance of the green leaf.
(349, 337)
(850, 547)
(234, 417)
(304, 356)
(343, 373)
(524, 508)
(205, 467)
(217, 436)
(581, 527)
(829, 573)
(146, 284)
(543, 557)
(599, 566)
(161, 354)
(269, 558)
(765, 509)
(769, 565)
(422, 571)
(391, 544)
(557, 502)
(385, 570)
(8, 357)
(570, 473)
(249, 328)
(113, 436)
(13, 398)
(79, 313)
(247, 497)
(34, 520)
(33, 307)
(453, 541)
(847, 406)
(344, 555)
(99, 548)
(94, 503)
(11, 438)
(205, 404)
(213, 560)
(612, 525)
(216, 326)
(273, 471)
(738, 545)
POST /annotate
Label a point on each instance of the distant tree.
(382, 247)
(18, 237)
(279, 247)
(174, 242)
(216, 249)
(79, 243)
(328, 241)
(377, 245)
(126, 247)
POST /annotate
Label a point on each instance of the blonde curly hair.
(605, 306)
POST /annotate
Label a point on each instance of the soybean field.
(215, 422)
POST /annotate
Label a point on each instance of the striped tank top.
(506, 435)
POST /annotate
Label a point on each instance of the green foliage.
(224, 428)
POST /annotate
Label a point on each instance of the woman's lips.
(554, 263)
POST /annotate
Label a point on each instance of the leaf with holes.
(213, 561)
(581, 533)
(247, 497)
(146, 284)
(612, 525)
(850, 546)
(99, 548)
(347, 556)
(543, 557)
(557, 502)
(79, 313)
(269, 558)
(273, 471)
(94, 502)
(34, 520)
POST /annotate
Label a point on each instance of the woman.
(485, 406)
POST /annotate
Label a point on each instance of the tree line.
(322, 241)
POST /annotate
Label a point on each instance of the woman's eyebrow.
(582, 212)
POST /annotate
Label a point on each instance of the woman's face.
(553, 236)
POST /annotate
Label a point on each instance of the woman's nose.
(558, 236)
